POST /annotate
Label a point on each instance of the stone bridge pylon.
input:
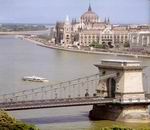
(126, 88)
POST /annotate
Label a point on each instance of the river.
(19, 58)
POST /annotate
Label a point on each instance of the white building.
(91, 29)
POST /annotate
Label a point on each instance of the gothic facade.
(90, 28)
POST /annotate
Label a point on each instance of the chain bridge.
(81, 91)
(116, 93)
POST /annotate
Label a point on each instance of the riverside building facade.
(91, 29)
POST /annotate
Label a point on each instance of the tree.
(10, 123)
(127, 44)
(96, 45)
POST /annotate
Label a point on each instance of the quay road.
(102, 51)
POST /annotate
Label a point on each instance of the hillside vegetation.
(10, 123)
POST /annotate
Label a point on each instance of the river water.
(19, 58)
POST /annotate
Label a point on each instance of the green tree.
(96, 45)
(127, 44)
(10, 123)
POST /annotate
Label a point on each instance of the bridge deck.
(36, 104)
(51, 103)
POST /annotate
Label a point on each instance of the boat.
(34, 79)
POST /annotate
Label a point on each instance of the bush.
(9, 123)
(122, 128)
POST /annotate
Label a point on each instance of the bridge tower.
(126, 90)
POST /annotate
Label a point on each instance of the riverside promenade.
(39, 43)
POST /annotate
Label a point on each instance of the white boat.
(34, 79)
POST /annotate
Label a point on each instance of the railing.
(50, 103)
(132, 101)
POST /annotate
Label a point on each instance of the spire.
(89, 9)
(67, 19)
(108, 21)
(105, 20)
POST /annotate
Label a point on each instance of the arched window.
(111, 87)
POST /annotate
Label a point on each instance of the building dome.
(89, 16)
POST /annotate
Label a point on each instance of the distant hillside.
(22, 27)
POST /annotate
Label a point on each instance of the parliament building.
(91, 29)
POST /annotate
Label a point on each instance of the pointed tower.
(67, 20)
(108, 21)
(67, 32)
(89, 9)
(89, 17)
(105, 20)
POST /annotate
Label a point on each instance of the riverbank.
(39, 43)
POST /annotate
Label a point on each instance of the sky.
(50, 11)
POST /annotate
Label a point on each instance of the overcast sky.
(49, 11)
